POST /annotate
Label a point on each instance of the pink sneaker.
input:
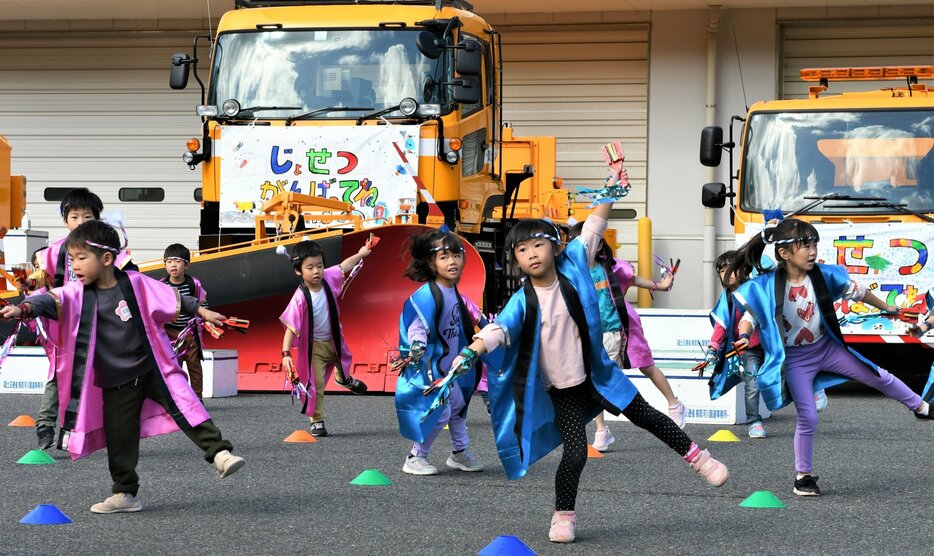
(710, 469)
(563, 525)
(677, 414)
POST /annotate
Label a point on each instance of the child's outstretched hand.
(289, 367)
(916, 330)
(10, 312)
(666, 282)
(365, 250)
(212, 317)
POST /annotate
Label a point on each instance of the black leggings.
(571, 406)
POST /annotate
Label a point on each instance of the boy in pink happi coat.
(120, 379)
(312, 325)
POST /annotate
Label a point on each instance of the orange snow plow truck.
(334, 120)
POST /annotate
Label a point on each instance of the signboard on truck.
(359, 165)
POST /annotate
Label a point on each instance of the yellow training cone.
(723, 435)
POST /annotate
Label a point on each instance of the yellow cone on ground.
(300, 436)
(723, 435)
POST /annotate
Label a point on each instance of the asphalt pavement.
(873, 458)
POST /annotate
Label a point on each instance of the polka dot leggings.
(571, 406)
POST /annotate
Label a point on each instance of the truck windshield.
(317, 69)
(882, 153)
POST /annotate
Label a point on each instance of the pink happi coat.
(297, 318)
(197, 290)
(47, 345)
(638, 352)
(152, 305)
(52, 260)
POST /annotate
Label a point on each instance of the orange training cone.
(593, 452)
(23, 421)
(300, 436)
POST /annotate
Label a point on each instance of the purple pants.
(802, 363)
(457, 426)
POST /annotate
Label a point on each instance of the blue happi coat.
(763, 296)
(928, 395)
(521, 410)
(726, 371)
(411, 405)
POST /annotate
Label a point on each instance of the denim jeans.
(752, 360)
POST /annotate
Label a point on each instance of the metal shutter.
(904, 42)
(95, 110)
(586, 85)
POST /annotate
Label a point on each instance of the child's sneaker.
(465, 460)
(226, 463)
(677, 414)
(419, 466)
(927, 414)
(806, 486)
(602, 439)
(710, 469)
(317, 429)
(118, 503)
(756, 430)
(355, 386)
(820, 400)
(563, 526)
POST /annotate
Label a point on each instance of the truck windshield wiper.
(877, 202)
(817, 201)
(251, 109)
(313, 113)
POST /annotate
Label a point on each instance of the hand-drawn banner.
(358, 165)
(891, 259)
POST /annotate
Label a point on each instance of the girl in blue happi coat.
(917, 330)
(549, 374)
(436, 322)
(792, 307)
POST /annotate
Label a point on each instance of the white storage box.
(678, 339)
(220, 373)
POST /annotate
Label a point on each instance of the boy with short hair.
(312, 323)
(121, 379)
(177, 258)
(79, 205)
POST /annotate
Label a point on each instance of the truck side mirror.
(469, 57)
(426, 42)
(466, 90)
(713, 195)
(711, 147)
(178, 76)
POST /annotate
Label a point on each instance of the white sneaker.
(603, 439)
(820, 400)
(118, 503)
(464, 460)
(419, 466)
(226, 463)
(677, 414)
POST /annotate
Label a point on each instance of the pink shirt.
(560, 357)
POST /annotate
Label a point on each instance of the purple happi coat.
(638, 354)
(298, 317)
(152, 305)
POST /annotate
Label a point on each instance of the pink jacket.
(296, 318)
(152, 304)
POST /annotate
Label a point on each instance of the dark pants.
(191, 358)
(122, 408)
(572, 405)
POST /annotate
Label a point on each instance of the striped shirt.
(182, 321)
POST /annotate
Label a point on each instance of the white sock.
(925, 408)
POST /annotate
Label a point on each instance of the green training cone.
(723, 435)
(36, 457)
(762, 499)
(371, 477)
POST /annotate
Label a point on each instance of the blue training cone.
(506, 545)
(45, 514)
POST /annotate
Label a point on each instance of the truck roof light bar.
(871, 73)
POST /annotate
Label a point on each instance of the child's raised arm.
(351, 261)
(663, 285)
